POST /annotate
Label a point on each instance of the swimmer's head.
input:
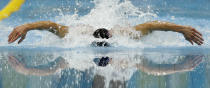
(102, 33)
(104, 61)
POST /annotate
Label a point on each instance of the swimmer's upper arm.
(143, 28)
(148, 27)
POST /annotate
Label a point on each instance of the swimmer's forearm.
(55, 28)
(161, 26)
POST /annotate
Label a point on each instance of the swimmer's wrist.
(182, 29)
(27, 29)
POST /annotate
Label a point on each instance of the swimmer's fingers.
(14, 37)
(22, 38)
(12, 34)
(197, 41)
(188, 38)
(191, 41)
(198, 38)
(196, 31)
(193, 36)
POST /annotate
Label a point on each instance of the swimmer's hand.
(192, 35)
(18, 32)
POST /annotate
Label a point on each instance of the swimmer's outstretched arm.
(190, 34)
(21, 68)
(21, 31)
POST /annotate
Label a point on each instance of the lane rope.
(12, 6)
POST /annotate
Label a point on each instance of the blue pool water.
(161, 60)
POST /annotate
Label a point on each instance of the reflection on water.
(124, 69)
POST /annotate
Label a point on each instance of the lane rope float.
(12, 6)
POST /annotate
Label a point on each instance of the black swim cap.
(104, 61)
(101, 32)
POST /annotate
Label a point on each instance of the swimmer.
(190, 33)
